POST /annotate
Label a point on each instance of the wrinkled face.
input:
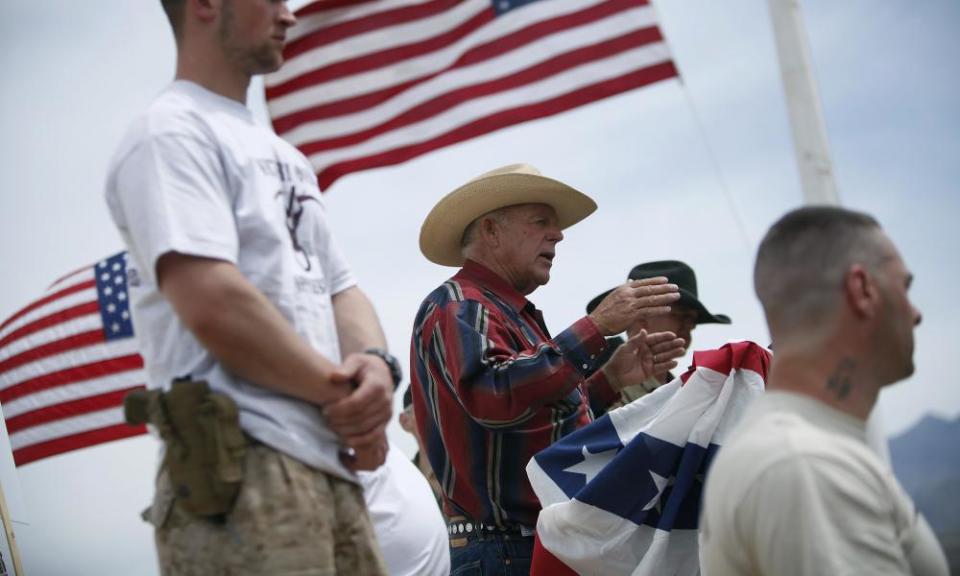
(528, 237)
(252, 33)
(897, 317)
(680, 320)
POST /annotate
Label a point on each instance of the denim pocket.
(474, 568)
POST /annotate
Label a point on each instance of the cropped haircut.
(174, 10)
(804, 258)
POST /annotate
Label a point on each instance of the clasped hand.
(361, 417)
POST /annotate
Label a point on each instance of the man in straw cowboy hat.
(686, 314)
(491, 387)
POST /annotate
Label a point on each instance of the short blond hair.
(803, 260)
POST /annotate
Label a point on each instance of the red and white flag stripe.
(376, 83)
(63, 372)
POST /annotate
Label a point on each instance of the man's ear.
(861, 291)
(489, 231)
(406, 422)
(204, 10)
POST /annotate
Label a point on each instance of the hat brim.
(442, 231)
(703, 315)
(686, 299)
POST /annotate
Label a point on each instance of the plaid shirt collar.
(476, 273)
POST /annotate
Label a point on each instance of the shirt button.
(585, 366)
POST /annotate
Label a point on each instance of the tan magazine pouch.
(205, 446)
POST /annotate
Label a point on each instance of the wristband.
(396, 373)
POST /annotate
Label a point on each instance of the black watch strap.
(396, 373)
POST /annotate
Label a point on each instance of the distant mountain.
(926, 460)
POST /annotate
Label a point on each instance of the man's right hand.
(634, 300)
(361, 417)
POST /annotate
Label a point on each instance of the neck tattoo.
(841, 381)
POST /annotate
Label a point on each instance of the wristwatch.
(396, 373)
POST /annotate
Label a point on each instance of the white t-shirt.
(410, 529)
(195, 174)
(796, 491)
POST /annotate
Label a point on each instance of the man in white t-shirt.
(410, 529)
(796, 490)
(237, 282)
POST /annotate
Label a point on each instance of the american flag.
(375, 83)
(622, 495)
(66, 362)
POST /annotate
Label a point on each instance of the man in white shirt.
(238, 282)
(411, 531)
(796, 490)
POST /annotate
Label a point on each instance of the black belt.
(466, 528)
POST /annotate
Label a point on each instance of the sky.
(695, 169)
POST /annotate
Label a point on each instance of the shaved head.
(802, 263)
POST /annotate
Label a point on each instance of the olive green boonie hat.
(442, 231)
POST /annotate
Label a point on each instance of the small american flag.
(375, 83)
(66, 362)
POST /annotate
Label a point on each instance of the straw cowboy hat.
(442, 231)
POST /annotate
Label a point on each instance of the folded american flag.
(622, 495)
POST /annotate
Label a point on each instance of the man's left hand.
(367, 457)
(363, 415)
(642, 357)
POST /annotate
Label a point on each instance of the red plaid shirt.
(491, 388)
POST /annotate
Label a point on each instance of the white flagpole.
(803, 104)
(810, 137)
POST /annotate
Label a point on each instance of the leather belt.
(466, 528)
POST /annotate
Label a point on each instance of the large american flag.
(66, 362)
(375, 83)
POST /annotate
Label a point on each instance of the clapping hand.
(634, 300)
(643, 356)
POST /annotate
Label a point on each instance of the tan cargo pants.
(289, 519)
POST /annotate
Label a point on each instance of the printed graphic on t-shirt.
(293, 202)
(309, 285)
(294, 195)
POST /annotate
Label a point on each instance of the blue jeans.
(493, 555)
